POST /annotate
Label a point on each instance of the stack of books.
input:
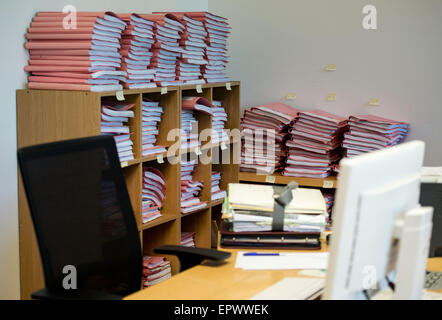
(369, 133)
(83, 58)
(151, 117)
(264, 131)
(153, 193)
(315, 144)
(155, 270)
(114, 121)
(190, 189)
(218, 122)
(251, 209)
(187, 239)
(166, 48)
(217, 193)
(136, 43)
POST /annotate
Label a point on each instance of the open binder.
(276, 238)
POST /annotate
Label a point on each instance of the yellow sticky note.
(223, 146)
(160, 158)
(124, 164)
(119, 95)
(330, 67)
(198, 88)
(290, 96)
(373, 102)
(270, 179)
(327, 184)
(228, 86)
(163, 90)
(331, 97)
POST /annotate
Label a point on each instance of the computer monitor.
(377, 203)
(431, 195)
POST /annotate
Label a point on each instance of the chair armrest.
(190, 256)
(77, 294)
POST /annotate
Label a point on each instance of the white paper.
(285, 261)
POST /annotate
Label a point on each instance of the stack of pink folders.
(114, 121)
(82, 57)
(315, 144)
(217, 193)
(153, 194)
(368, 133)
(136, 44)
(189, 124)
(217, 31)
(192, 42)
(166, 49)
(187, 239)
(264, 129)
(155, 270)
(190, 189)
(218, 122)
(151, 113)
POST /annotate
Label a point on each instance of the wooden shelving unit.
(46, 116)
(277, 178)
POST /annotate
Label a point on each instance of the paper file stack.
(114, 121)
(369, 133)
(190, 189)
(153, 194)
(81, 57)
(187, 239)
(264, 131)
(217, 193)
(189, 123)
(315, 144)
(151, 118)
(155, 270)
(166, 48)
(252, 208)
(136, 44)
(189, 136)
(218, 122)
(216, 32)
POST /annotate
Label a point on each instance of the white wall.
(281, 46)
(14, 19)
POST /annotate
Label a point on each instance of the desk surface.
(224, 282)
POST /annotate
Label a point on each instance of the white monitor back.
(373, 190)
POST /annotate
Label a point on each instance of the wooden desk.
(224, 282)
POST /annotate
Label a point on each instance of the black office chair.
(83, 218)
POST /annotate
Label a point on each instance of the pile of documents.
(264, 129)
(192, 42)
(217, 193)
(151, 117)
(155, 270)
(369, 133)
(251, 209)
(86, 57)
(136, 43)
(189, 124)
(153, 193)
(114, 118)
(190, 189)
(187, 239)
(167, 49)
(216, 51)
(314, 144)
(218, 122)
